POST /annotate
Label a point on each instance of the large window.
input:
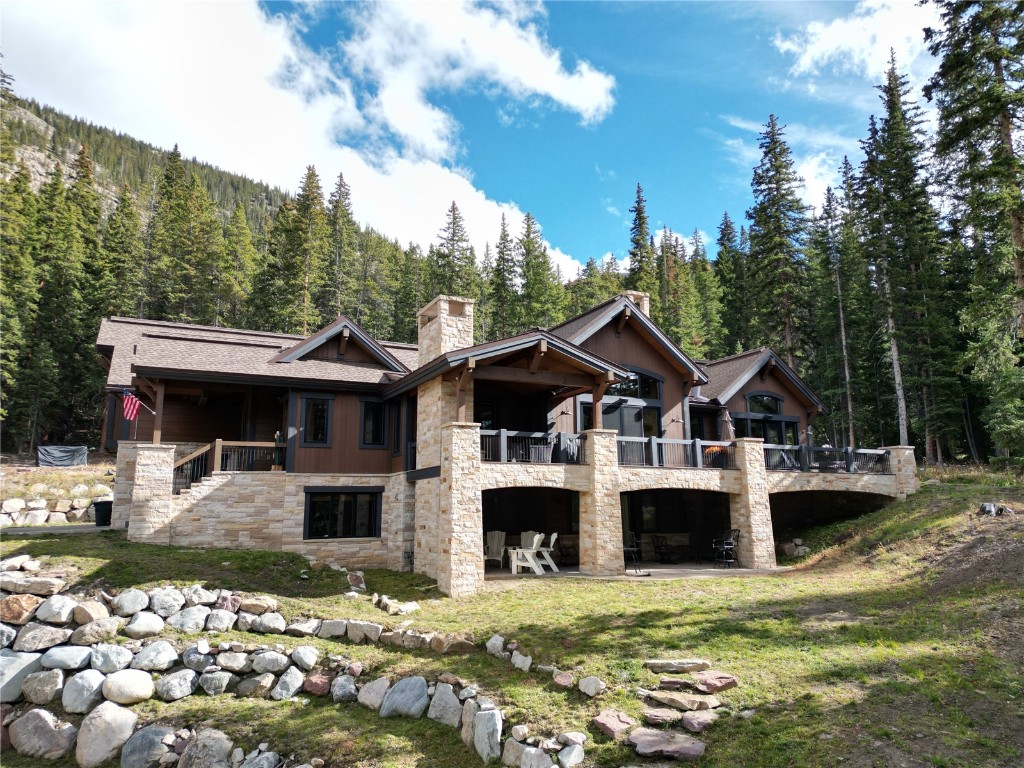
(372, 435)
(641, 385)
(343, 513)
(761, 403)
(316, 420)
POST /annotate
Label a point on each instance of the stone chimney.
(641, 299)
(445, 324)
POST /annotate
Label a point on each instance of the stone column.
(398, 521)
(600, 508)
(152, 504)
(460, 528)
(124, 482)
(904, 466)
(749, 509)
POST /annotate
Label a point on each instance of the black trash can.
(103, 511)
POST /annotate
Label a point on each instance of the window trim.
(383, 444)
(764, 393)
(329, 399)
(393, 426)
(376, 490)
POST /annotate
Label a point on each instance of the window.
(343, 513)
(372, 435)
(761, 403)
(640, 385)
(316, 421)
(395, 414)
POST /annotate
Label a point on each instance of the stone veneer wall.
(600, 509)
(749, 510)
(152, 507)
(904, 466)
(460, 531)
(124, 483)
(441, 331)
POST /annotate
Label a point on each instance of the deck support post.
(749, 510)
(600, 508)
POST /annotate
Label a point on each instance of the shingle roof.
(724, 372)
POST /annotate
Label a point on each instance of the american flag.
(131, 406)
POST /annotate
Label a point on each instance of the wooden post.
(653, 443)
(698, 455)
(218, 448)
(503, 445)
(158, 417)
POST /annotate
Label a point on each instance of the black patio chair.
(667, 553)
(723, 549)
(631, 551)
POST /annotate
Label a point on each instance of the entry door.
(628, 420)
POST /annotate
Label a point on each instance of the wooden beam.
(461, 380)
(601, 383)
(523, 376)
(147, 387)
(343, 342)
(158, 418)
(538, 353)
(767, 369)
(623, 319)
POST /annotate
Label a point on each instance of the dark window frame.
(765, 394)
(364, 405)
(395, 426)
(376, 491)
(304, 399)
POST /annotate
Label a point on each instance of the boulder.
(146, 746)
(90, 610)
(19, 609)
(177, 685)
(662, 716)
(190, 621)
(592, 686)
(343, 688)
(445, 706)
(684, 701)
(406, 698)
(358, 631)
(216, 683)
(128, 686)
(258, 604)
(319, 684)
(43, 687)
(58, 518)
(372, 694)
(303, 628)
(198, 595)
(227, 602)
(39, 734)
(81, 502)
(655, 743)
(156, 657)
(512, 754)
(487, 734)
(469, 710)
(196, 660)
(306, 656)
(521, 662)
(261, 760)
(56, 609)
(14, 668)
(569, 738)
(332, 628)
(144, 624)
(562, 679)
(7, 635)
(104, 731)
(6, 521)
(39, 637)
(696, 722)
(31, 585)
(166, 601)
(35, 516)
(67, 657)
(535, 758)
(109, 658)
(10, 506)
(570, 756)
(612, 723)
(220, 620)
(83, 691)
(62, 507)
(233, 661)
(496, 646)
(270, 623)
(674, 666)
(97, 631)
(129, 602)
(288, 685)
(713, 681)
(209, 748)
(256, 686)
(453, 642)
(245, 620)
(270, 661)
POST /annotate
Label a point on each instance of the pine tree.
(309, 255)
(340, 292)
(504, 298)
(166, 274)
(777, 231)
(732, 270)
(410, 296)
(241, 260)
(643, 271)
(122, 242)
(543, 297)
(593, 285)
(452, 261)
(203, 299)
(708, 293)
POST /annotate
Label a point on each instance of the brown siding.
(329, 351)
(344, 453)
(793, 403)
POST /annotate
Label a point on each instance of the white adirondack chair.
(495, 548)
(544, 553)
(525, 555)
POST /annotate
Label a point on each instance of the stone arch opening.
(796, 511)
(544, 510)
(685, 518)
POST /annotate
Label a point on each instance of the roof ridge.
(196, 327)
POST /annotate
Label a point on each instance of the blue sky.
(558, 109)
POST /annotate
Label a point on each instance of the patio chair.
(723, 550)
(495, 549)
(525, 555)
(545, 553)
(631, 551)
(667, 553)
(566, 554)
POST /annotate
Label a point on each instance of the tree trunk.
(969, 432)
(846, 360)
(894, 353)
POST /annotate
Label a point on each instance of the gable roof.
(338, 327)
(728, 375)
(580, 328)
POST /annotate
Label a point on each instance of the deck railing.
(506, 445)
(675, 454)
(227, 456)
(801, 458)
(192, 468)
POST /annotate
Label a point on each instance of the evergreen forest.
(899, 297)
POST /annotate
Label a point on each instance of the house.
(366, 453)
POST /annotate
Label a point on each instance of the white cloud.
(818, 170)
(240, 90)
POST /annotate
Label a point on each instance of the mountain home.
(372, 454)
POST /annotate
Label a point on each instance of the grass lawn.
(898, 642)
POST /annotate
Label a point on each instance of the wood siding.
(344, 453)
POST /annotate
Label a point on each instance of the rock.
(176, 685)
(684, 701)
(512, 755)
(406, 698)
(535, 758)
(6, 521)
(103, 732)
(97, 631)
(74, 515)
(563, 679)
(452, 642)
(677, 665)
(99, 489)
(56, 609)
(36, 516)
(209, 748)
(713, 681)
(39, 734)
(146, 746)
(220, 620)
(58, 518)
(128, 686)
(592, 686)
(469, 710)
(255, 686)
(306, 656)
(343, 688)
(522, 662)
(468, 692)
(156, 657)
(10, 506)
(445, 706)
(90, 610)
(520, 732)
(271, 661)
(31, 585)
(355, 669)
(651, 743)
(572, 737)
(662, 716)
(695, 722)
(190, 621)
(487, 734)
(39, 637)
(63, 506)
(356, 580)
(332, 628)
(319, 684)
(144, 624)
(269, 624)
(43, 687)
(258, 604)
(613, 724)
(289, 684)
(81, 502)
(364, 630)
(19, 609)
(234, 662)
(372, 694)
(83, 691)
(263, 760)
(109, 658)
(7, 635)
(129, 602)
(785, 548)
(14, 668)
(216, 683)
(197, 595)
(196, 660)
(304, 628)
(66, 657)
(166, 601)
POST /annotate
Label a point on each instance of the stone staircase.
(187, 499)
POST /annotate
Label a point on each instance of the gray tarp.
(62, 455)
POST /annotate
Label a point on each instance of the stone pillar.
(445, 324)
(600, 508)
(749, 509)
(904, 465)
(152, 504)
(460, 528)
(399, 521)
(641, 299)
(124, 482)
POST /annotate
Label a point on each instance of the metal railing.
(227, 456)
(192, 468)
(801, 458)
(675, 454)
(506, 445)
